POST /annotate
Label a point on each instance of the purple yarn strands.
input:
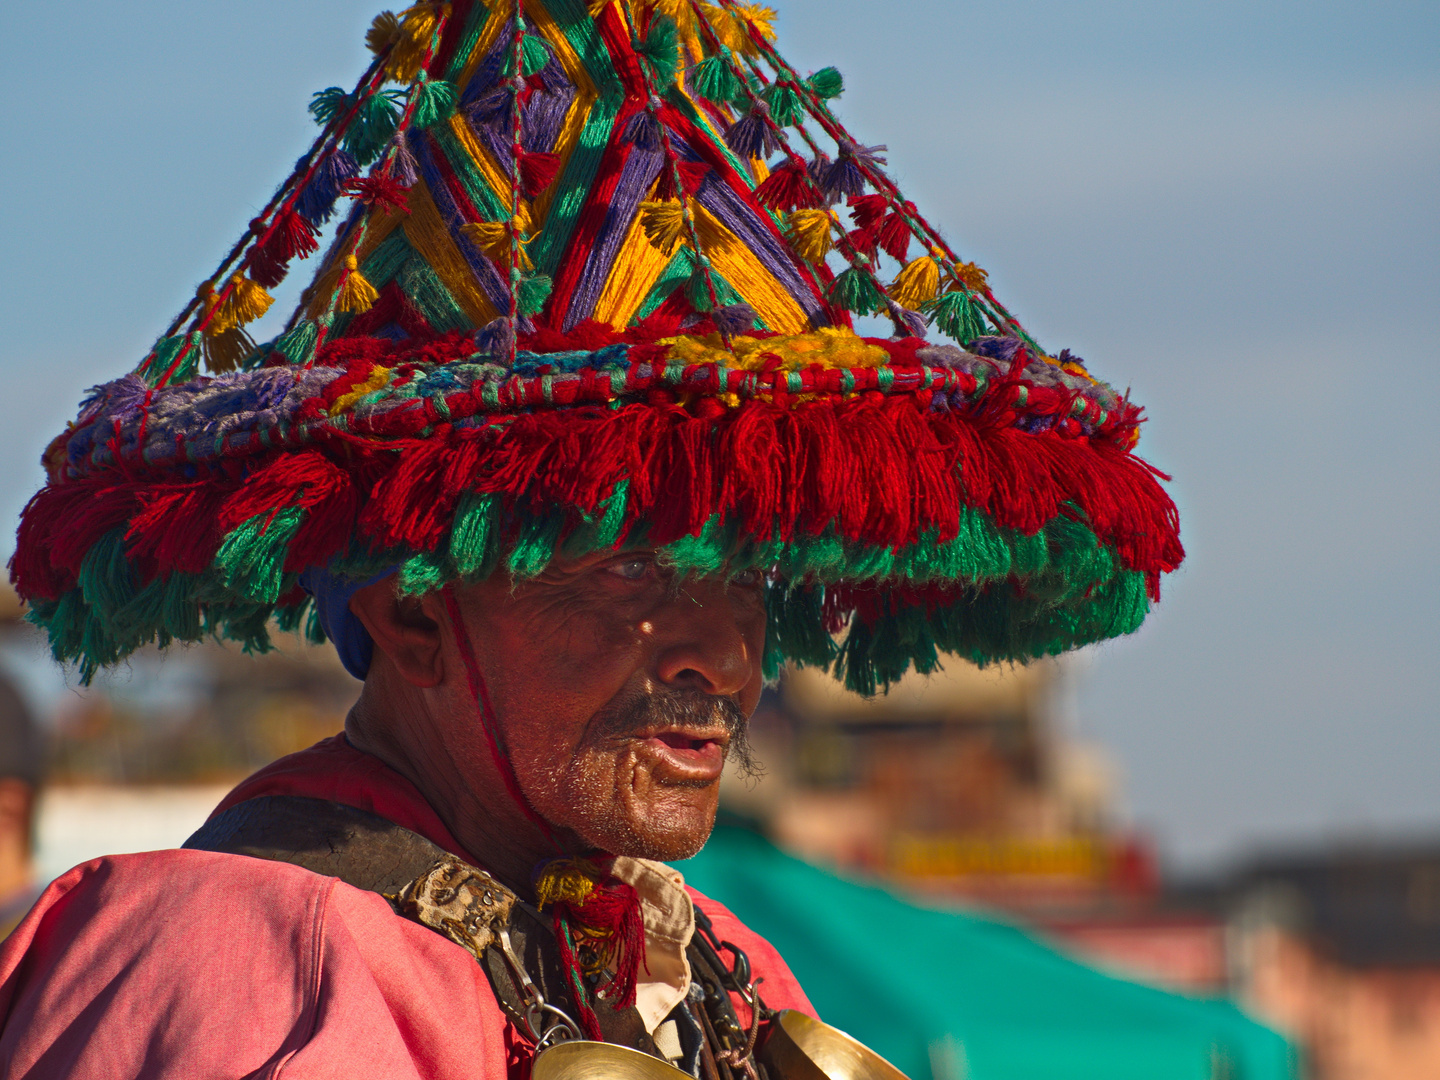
(727, 207)
(640, 170)
(486, 273)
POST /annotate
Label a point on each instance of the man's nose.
(703, 633)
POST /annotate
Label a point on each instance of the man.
(21, 766)
(569, 448)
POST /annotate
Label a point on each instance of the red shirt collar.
(337, 772)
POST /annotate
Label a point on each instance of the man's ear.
(403, 629)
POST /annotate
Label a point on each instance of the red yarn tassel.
(604, 915)
(788, 188)
(538, 172)
(380, 190)
(692, 175)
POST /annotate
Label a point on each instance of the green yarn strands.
(697, 291)
(374, 125)
(795, 629)
(535, 547)
(660, 51)
(608, 532)
(533, 55)
(826, 84)
(329, 104)
(855, 290)
(601, 533)
(957, 315)
(534, 290)
(475, 536)
(298, 345)
(786, 106)
(251, 559)
(425, 572)
(435, 101)
(1007, 597)
(714, 79)
(164, 354)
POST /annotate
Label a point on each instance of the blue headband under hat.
(332, 594)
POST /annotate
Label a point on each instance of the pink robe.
(198, 965)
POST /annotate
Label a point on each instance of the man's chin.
(666, 834)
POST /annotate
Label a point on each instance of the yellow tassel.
(762, 18)
(208, 316)
(729, 31)
(917, 283)
(595, 7)
(356, 294)
(493, 240)
(664, 225)
(970, 276)
(383, 33)
(417, 30)
(245, 303)
(811, 234)
(565, 881)
(678, 10)
(225, 351)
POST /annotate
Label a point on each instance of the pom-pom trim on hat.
(911, 499)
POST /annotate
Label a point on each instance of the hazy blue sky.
(1232, 208)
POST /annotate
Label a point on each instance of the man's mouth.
(686, 756)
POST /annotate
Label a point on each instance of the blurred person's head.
(21, 770)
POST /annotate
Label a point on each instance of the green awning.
(956, 996)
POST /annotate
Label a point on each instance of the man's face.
(619, 691)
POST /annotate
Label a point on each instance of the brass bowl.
(584, 1060)
(799, 1047)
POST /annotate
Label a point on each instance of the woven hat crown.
(592, 287)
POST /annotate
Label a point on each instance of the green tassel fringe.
(957, 315)
(534, 290)
(786, 106)
(661, 52)
(826, 84)
(855, 290)
(714, 79)
(251, 559)
(1024, 596)
(435, 101)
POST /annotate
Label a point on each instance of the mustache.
(683, 710)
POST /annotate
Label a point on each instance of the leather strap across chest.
(422, 882)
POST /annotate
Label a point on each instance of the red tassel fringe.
(879, 469)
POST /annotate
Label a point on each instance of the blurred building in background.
(1343, 950)
(965, 787)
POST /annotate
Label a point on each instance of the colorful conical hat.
(593, 288)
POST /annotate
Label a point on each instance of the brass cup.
(584, 1060)
(799, 1047)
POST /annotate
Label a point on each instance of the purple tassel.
(751, 135)
(317, 201)
(497, 337)
(819, 169)
(844, 176)
(996, 348)
(491, 107)
(646, 132)
(907, 323)
(734, 319)
(404, 167)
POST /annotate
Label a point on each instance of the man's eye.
(630, 569)
(747, 579)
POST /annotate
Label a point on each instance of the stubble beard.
(593, 793)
